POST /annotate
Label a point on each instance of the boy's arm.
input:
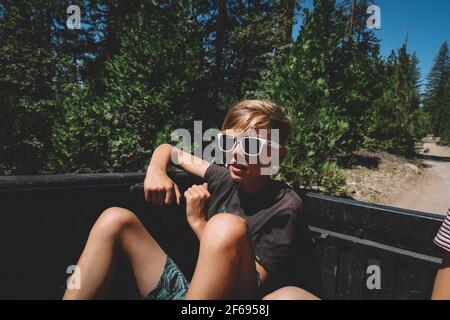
(190, 163)
(262, 272)
(441, 289)
(158, 187)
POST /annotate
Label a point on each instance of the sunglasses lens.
(226, 143)
(251, 146)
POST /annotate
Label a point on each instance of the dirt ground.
(422, 184)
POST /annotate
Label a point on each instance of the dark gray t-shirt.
(271, 215)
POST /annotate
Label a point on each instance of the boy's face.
(245, 168)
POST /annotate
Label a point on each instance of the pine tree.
(436, 101)
(148, 88)
(240, 39)
(397, 121)
(357, 79)
(446, 127)
(415, 72)
(27, 99)
(306, 83)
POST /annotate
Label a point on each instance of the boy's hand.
(197, 198)
(159, 188)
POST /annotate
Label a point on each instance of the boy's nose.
(238, 156)
(236, 149)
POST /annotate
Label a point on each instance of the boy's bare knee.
(290, 293)
(225, 231)
(228, 224)
(114, 220)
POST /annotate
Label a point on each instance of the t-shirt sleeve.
(214, 176)
(442, 239)
(275, 242)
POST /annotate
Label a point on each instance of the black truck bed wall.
(45, 222)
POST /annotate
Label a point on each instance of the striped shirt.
(443, 237)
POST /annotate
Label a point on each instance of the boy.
(244, 220)
(441, 289)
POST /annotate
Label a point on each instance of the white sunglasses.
(250, 146)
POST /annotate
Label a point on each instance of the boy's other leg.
(118, 228)
(290, 293)
(441, 290)
(226, 264)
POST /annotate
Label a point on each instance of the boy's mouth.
(238, 169)
(239, 166)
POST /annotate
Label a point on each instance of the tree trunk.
(287, 22)
(219, 44)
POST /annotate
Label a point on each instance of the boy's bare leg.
(118, 228)
(441, 290)
(226, 264)
(290, 293)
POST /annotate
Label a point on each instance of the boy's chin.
(237, 178)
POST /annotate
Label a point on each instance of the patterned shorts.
(172, 284)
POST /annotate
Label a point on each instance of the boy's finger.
(169, 196)
(205, 189)
(161, 196)
(177, 194)
(201, 190)
(153, 196)
(196, 190)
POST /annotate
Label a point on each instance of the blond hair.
(258, 114)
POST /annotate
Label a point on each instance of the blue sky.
(427, 22)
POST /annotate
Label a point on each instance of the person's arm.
(197, 198)
(441, 290)
(262, 272)
(164, 153)
(158, 187)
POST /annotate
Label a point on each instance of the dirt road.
(432, 191)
